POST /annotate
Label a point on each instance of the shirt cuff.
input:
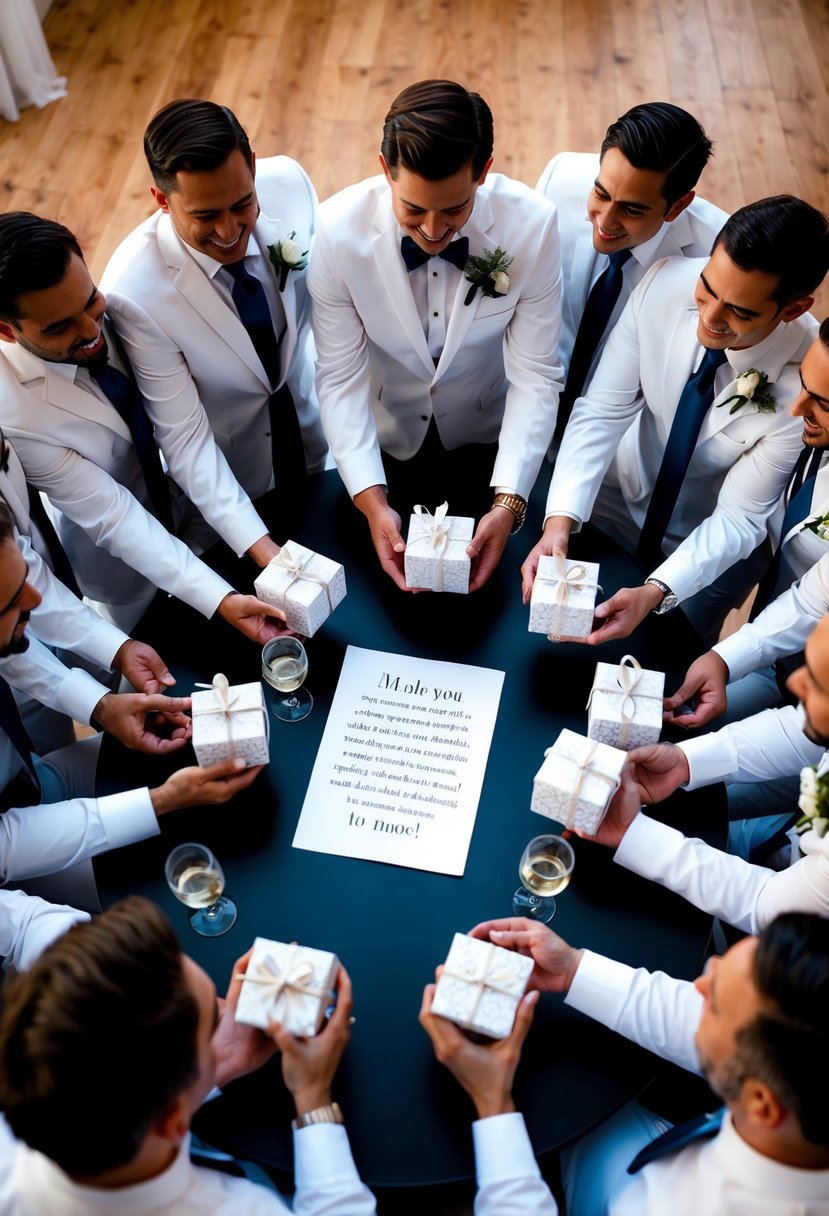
(710, 758)
(127, 817)
(104, 642)
(600, 988)
(80, 693)
(502, 1149)
(738, 658)
(322, 1154)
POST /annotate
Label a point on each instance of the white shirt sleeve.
(40, 673)
(28, 924)
(327, 1181)
(766, 745)
(651, 1009)
(509, 1180)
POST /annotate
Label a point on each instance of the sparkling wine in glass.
(195, 877)
(284, 668)
(546, 868)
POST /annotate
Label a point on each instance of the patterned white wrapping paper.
(481, 985)
(229, 721)
(304, 584)
(563, 597)
(577, 780)
(290, 984)
(435, 554)
(625, 705)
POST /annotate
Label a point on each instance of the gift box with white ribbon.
(230, 721)
(481, 985)
(625, 704)
(290, 984)
(435, 554)
(563, 598)
(306, 586)
(575, 783)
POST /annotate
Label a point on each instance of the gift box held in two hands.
(563, 598)
(481, 986)
(230, 721)
(575, 783)
(285, 983)
(435, 554)
(625, 704)
(304, 585)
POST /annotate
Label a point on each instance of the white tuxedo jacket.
(567, 182)
(79, 452)
(498, 377)
(618, 432)
(205, 387)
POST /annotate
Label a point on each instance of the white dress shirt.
(509, 1180)
(326, 1179)
(766, 745)
(28, 924)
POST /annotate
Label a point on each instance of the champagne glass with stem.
(284, 668)
(546, 868)
(196, 879)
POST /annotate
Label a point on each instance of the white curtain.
(27, 74)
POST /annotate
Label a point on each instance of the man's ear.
(7, 334)
(161, 198)
(762, 1105)
(484, 172)
(385, 168)
(796, 308)
(679, 206)
(173, 1123)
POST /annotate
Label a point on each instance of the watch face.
(669, 602)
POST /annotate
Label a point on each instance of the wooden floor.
(313, 78)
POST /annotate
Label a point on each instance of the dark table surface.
(407, 1118)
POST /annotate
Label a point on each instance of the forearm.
(41, 675)
(766, 745)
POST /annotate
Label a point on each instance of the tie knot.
(617, 260)
(241, 275)
(712, 359)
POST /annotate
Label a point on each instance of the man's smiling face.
(214, 212)
(432, 212)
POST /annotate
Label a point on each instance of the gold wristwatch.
(516, 504)
(322, 1114)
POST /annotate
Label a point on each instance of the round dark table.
(407, 1118)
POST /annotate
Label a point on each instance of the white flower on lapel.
(751, 386)
(489, 272)
(820, 526)
(813, 801)
(286, 256)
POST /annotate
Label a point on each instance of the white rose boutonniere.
(819, 526)
(287, 255)
(813, 801)
(751, 386)
(489, 272)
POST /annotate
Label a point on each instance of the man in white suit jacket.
(637, 194)
(75, 446)
(748, 300)
(206, 389)
(408, 364)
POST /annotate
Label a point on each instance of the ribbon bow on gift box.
(492, 973)
(296, 568)
(436, 532)
(288, 982)
(225, 704)
(585, 766)
(627, 678)
(564, 582)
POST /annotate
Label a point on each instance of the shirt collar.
(160, 1193)
(209, 265)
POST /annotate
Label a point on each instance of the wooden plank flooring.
(313, 79)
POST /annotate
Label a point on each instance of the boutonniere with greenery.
(287, 255)
(813, 801)
(752, 386)
(820, 526)
(489, 272)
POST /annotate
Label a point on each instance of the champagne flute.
(196, 879)
(284, 668)
(546, 867)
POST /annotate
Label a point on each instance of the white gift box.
(564, 597)
(435, 554)
(481, 986)
(577, 780)
(306, 586)
(625, 705)
(230, 721)
(285, 983)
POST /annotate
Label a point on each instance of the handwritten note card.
(399, 771)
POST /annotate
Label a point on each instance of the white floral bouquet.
(813, 801)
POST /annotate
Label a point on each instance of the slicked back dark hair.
(787, 1045)
(97, 1039)
(665, 139)
(436, 127)
(783, 236)
(34, 255)
(193, 137)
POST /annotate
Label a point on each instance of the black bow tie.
(457, 253)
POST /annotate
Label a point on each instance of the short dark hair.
(783, 236)
(436, 127)
(665, 139)
(34, 255)
(97, 1039)
(193, 137)
(787, 1045)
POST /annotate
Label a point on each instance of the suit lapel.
(477, 229)
(392, 274)
(197, 289)
(62, 392)
(273, 232)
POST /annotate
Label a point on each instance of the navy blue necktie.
(456, 252)
(798, 498)
(24, 787)
(693, 405)
(600, 304)
(122, 392)
(288, 453)
(675, 1138)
